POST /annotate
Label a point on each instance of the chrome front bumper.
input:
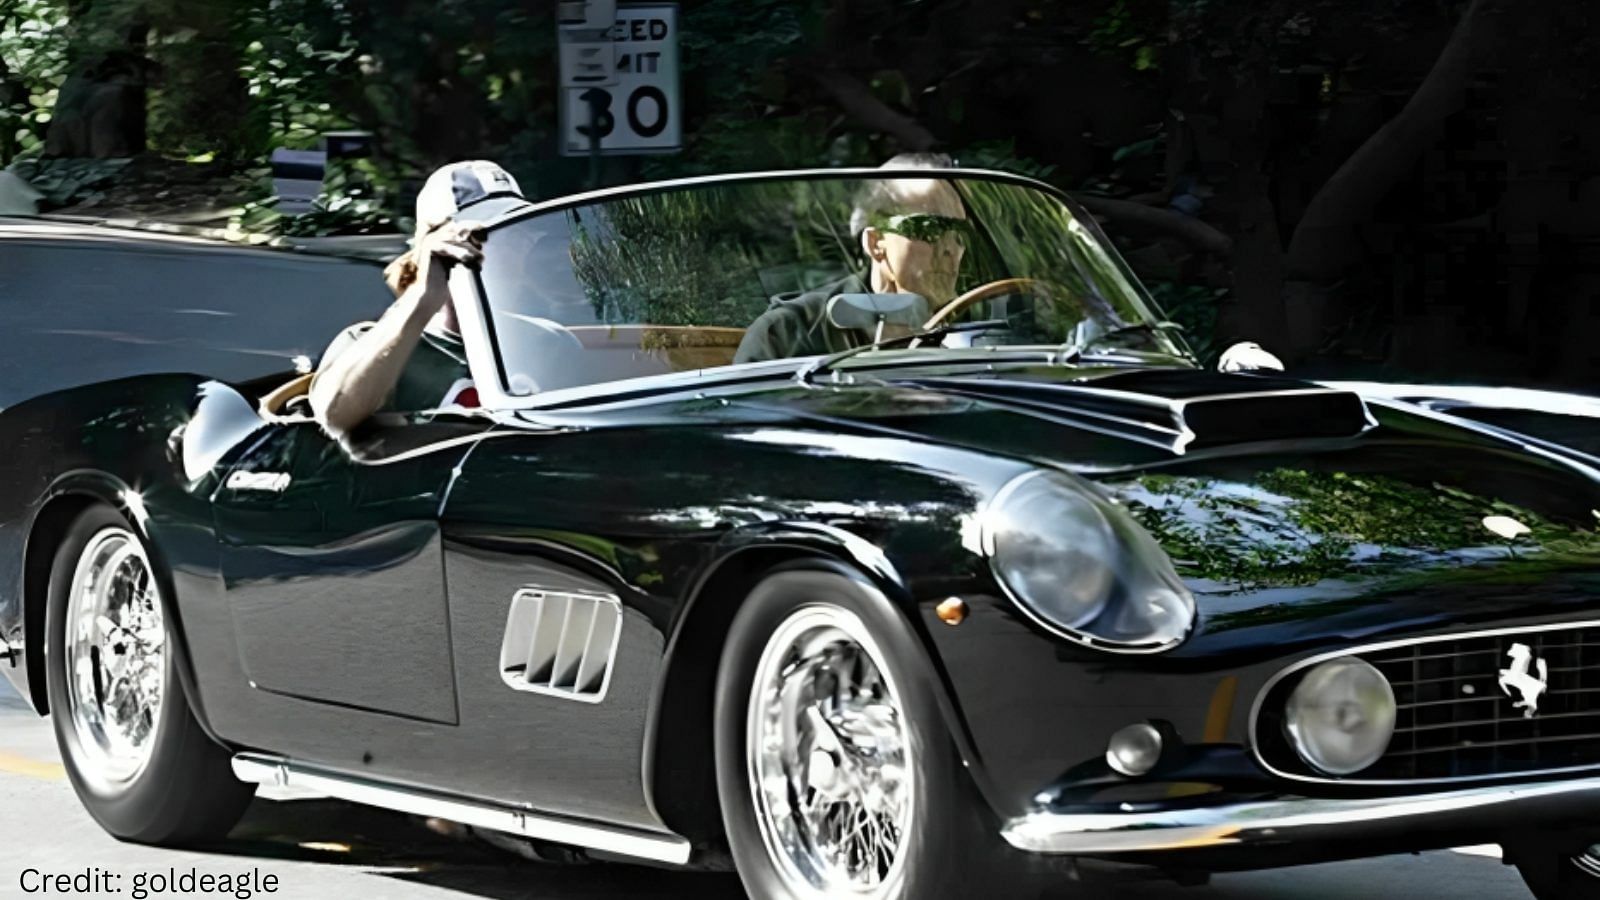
(1303, 819)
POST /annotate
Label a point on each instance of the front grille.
(1457, 721)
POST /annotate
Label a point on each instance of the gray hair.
(885, 195)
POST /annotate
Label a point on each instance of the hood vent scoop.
(1199, 413)
(1273, 416)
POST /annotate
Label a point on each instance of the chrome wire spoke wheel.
(830, 758)
(116, 657)
(1589, 863)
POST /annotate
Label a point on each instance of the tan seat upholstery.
(273, 404)
(681, 347)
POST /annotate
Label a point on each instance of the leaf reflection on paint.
(1291, 527)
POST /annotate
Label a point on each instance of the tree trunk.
(1325, 243)
(12, 96)
(1256, 311)
(1143, 220)
(100, 110)
(857, 101)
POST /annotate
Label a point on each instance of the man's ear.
(872, 244)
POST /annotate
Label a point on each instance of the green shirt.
(797, 325)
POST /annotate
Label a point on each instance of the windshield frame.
(484, 355)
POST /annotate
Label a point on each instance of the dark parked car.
(1015, 590)
(83, 302)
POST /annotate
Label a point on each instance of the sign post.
(632, 107)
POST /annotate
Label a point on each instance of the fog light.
(1341, 716)
(1134, 750)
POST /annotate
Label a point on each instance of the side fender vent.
(561, 643)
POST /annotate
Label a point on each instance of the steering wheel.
(980, 293)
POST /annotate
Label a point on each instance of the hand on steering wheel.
(982, 292)
(978, 294)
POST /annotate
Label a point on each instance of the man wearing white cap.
(412, 358)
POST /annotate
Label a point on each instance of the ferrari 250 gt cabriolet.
(869, 532)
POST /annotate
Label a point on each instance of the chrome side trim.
(521, 820)
(1299, 819)
(1266, 689)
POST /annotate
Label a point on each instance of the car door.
(332, 566)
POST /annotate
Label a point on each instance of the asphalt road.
(319, 848)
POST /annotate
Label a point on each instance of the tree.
(1326, 243)
(100, 111)
(203, 105)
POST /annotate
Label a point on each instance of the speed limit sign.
(634, 107)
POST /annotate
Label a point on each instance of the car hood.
(1273, 496)
(1097, 421)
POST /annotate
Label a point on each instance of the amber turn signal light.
(952, 611)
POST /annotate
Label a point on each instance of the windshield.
(734, 272)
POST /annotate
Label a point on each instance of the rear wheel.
(133, 750)
(835, 775)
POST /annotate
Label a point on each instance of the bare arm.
(353, 384)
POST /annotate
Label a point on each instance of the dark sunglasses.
(925, 227)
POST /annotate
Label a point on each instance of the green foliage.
(1194, 306)
(704, 257)
(1002, 156)
(448, 79)
(65, 182)
(33, 64)
(1119, 31)
(737, 57)
(724, 41)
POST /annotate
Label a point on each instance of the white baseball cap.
(456, 186)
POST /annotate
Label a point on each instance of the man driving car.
(913, 233)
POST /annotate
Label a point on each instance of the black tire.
(952, 846)
(1562, 867)
(185, 793)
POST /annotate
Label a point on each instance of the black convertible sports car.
(1003, 586)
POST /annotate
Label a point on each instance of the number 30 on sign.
(638, 110)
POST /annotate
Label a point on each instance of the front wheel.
(138, 759)
(834, 771)
(1560, 869)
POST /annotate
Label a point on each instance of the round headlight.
(1054, 549)
(1341, 716)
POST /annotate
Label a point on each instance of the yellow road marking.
(19, 765)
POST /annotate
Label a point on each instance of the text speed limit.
(639, 111)
(647, 112)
